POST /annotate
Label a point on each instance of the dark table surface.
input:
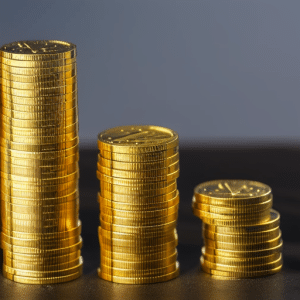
(277, 166)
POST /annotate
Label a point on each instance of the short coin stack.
(242, 238)
(41, 230)
(137, 168)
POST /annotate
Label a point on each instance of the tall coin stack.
(242, 238)
(41, 230)
(137, 168)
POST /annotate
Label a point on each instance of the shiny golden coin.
(137, 139)
(43, 268)
(137, 166)
(162, 174)
(253, 237)
(41, 244)
(43, 274)
(139, 280)
(39, 84)
(166, 227)
(244, 254)
(39, 100)
(44, 236)
(138, 191)
(38, 50)
(243, 247)
(247, 209)
(130, 182)
(232, 192)
(247, 229)
(137, 257)
(138, 242)
(53, 252)
(39, 115)
(149, 157)
(127, 236)
(240, 262)
(67, 70)
(36, 259)
(138, 222)
(216, 219)
(37, 64)
(144, 265)
(59, 78)
(139, 204)
(137, 273)
(48, 280)
(255, 268)
(148, 214)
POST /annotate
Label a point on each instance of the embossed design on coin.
(38, 47)
(233, 189)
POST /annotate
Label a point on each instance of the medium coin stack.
(137, 168)
(40, 234)
(242, 238)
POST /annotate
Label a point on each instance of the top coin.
(232, 191)
(137, 139)
(38, 50)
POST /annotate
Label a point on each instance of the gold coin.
(68, 70)
(39, 84)
(38, 64)
(243, 247)
(137, 166)
(166, 227)
(138, 222)
(53, 252)
(40, 100)
(27, 197)
(38, 50)
(162, 174)
(139, 280)
(55, 91)
(143, 265)
(246, 269)
(149, 157)
(247, 229)
(127, 236)
(216, 219)
(138, 191)
(48, 280)
(148, 214)
(35, 259)
(130, 182)
(140, 241)
(247, 209)
(43, 274)
(139, 204)
(44, 236)
(232, 192)
(137, 273)
(240, 262)
(253, 237)
(43, 267)
(138, 257)
(39, 115)
(41, 244)
(137, 139)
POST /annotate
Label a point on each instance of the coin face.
(38, 47)
(233, 189)
(138, 137)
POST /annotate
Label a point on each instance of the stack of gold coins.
(137, 168)
(242, 238)
(41, 230)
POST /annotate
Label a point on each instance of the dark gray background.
(208, 69)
